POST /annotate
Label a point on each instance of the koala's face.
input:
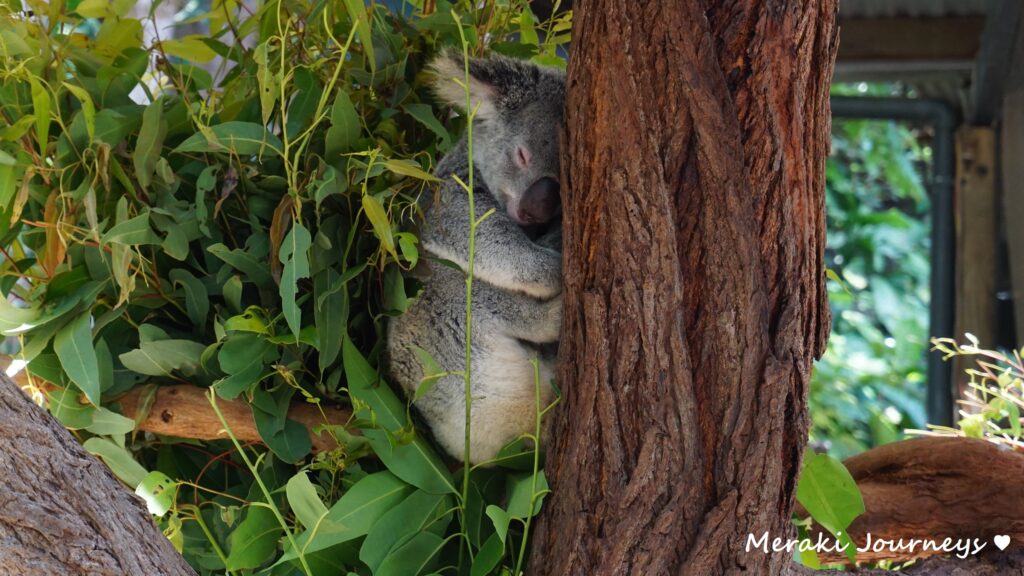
(519, 119)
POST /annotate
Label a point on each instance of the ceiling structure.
(951, 50)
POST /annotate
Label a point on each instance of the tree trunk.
(61, 510)
(694, 289)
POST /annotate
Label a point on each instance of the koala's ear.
(449, 75)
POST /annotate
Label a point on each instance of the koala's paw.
(550, 276)
(553, 318)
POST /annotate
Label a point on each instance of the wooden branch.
(62, 511)
(184, 411)
(999, 564)
(934, 488)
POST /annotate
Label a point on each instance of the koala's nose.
(541, 202)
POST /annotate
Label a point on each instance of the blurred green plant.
(870, 383)
(230, 210)
(994, 398)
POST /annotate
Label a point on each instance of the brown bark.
(62, 511)
(995, 564)
(694, 289)
(934, 488)
(184, 411)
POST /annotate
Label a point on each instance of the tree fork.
(695, 300)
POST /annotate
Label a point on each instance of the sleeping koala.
(517, 304)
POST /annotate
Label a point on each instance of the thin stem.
(467, 375)
(536, 464)
(198, 516)
(212, 397)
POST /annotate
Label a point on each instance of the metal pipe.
(942, 117)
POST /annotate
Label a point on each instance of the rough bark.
(62, 511)
(694, 286)
(934, 488)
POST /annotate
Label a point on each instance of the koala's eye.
(522, 157)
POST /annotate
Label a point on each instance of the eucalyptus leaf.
(242, 138)
(74, 348)
(294, 255)
(255, 539)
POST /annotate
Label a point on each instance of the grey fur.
(517, 304)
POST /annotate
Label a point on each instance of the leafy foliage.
(870, 382)
(994, 397)
(229, 210)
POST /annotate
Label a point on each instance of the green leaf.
(424, 114)
(242, 138)
(345, 127)
(41, 111)
(829, 494)
(242, 356)
(161, 357)
(395, 299)
(74, 348)
(255, 539)
(522, 491)
(294, 254)
(257, 272)
(158, 490)
(268, 84)
(354, 513)
(119, 460)
(432, 373)
(288, 439)
(249, 321)
(363, 385)
(205, 183)
(381, 225)
(15, 320)
(197, 302)
(417, 556)
(407, 242)
(150, 142)
(409, 168)
(417, 513)
(488, 557)
(500, 519)
(88, 108)
(133, 232)
(93, 8)
(413, 461)
(11, 44)
(527, 32)
(361, 19)
(109, 423)
(330, 314)
(189, 48)
(304, 105)
(304, 501)
(66, 407)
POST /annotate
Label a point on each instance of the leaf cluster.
(230, 207)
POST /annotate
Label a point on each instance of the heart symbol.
(1002, 541)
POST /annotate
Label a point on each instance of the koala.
(517, 282)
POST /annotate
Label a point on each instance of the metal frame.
(942, 118)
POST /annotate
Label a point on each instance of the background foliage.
(870, 384)
(225, 209)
